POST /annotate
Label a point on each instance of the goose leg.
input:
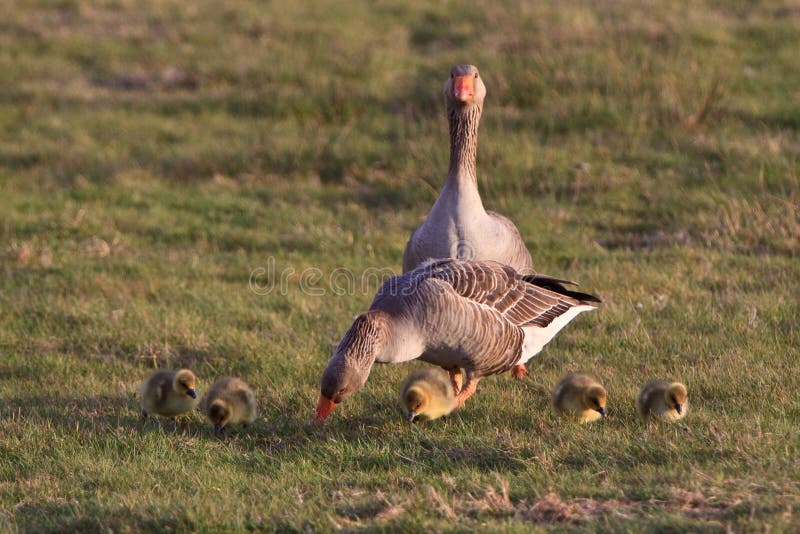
(469, 389)
(456, 378)
(519, 372)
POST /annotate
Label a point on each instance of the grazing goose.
(479, 316)
(229, 401)
(169, 393)
(458, 226)
(581, 397)
(428, 394)
(663, 400)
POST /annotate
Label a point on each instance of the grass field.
(155, 154)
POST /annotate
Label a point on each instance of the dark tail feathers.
(557, 285)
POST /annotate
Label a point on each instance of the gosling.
(580, 397)
(664, 400)
(229, 401)
(169, 393)
(428, 394)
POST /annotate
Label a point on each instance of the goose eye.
(476, 75)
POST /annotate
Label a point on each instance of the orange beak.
(324, 407)
(464, 88)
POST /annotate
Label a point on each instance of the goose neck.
(463, 145)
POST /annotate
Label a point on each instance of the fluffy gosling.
(229, 401)
(428, 394)
(664, 400)
(169, 393)
(581, 397)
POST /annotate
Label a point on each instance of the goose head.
(185, 383)
(676, 396)
(464, 88)
(220, 412)
(415, 400)
(594, 398)
(352, 361)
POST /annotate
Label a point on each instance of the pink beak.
(324, 407)
(464, 88)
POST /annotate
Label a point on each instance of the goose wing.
(522, 300)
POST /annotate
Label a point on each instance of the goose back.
(477, 314)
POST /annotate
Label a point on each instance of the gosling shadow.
(95, 414)
(102, 411)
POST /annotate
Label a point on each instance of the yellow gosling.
(229, 401)
(580, 397)
(169, 393)
(428, 394)
(664, 400)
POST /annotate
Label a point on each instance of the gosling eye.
(476, 75)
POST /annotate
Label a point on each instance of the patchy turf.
(172, 175)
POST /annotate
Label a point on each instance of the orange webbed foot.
(456, 378)
(469, 389)
(519, 372)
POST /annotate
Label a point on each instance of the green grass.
(154, 154)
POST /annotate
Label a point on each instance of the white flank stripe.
(537, 337)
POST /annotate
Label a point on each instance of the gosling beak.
(410, 417)
(678, 408)
(464, 88)
(217, 429)
(602, 411)
(192, 393)
(324, 407)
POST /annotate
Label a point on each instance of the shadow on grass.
(481, 457)
(101, 408)
(93, 414)
(70, 516)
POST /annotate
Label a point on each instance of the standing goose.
(479, 316)
(458, 226)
